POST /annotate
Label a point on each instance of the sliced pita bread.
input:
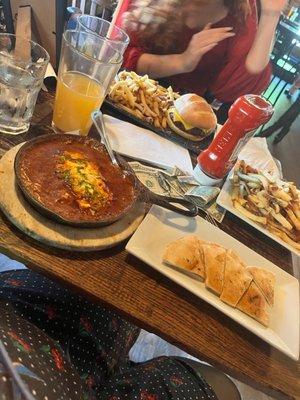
(255, 305)
(265, 280)
(236, 279)
(237, 258)
(200, 268)
(214, 259)
(185, 253)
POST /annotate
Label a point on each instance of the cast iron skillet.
(141, 193)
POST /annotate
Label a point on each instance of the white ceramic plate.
(224, 200)
(162, 226)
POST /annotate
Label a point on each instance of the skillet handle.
(190, 209)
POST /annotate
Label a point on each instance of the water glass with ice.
(22, 68)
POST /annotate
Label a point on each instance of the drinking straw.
(118, 10)
(23, 34)
(82, 6)
(121, 7)
(93, 7)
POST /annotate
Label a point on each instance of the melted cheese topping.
(178, 118)
(84, 179)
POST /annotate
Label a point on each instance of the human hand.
(273, 6)
(201, 43)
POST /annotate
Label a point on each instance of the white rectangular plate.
(161, 226)
(224, 200)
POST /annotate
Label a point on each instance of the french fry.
(155, 107)
(293, 219)
(285, 238)
(151, 90)
(276, 225)
(143, 97)
(282, 220)
(139, 114)
(296, 209)
(134, 112)
(281, 194)
(164, 122)
(150, 113)
(248, 214)
(140, 107)
(130, 97)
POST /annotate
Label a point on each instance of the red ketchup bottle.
(247, 114)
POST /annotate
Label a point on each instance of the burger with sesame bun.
(191, 117)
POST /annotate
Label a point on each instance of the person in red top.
(218, 49)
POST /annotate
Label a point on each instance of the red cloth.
(222, 70)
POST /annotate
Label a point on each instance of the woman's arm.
(259, 54)
(162, 66)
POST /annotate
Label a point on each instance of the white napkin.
(257, 154)
(144, 145)
(50, 77)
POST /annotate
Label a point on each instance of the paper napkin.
(143, 145)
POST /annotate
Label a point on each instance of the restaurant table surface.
(117, 279)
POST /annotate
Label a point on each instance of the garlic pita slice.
(265, 280)
(255, 305)
(200, 268)
(185, 253)
(236, 258)
(214, 259)
(236, 279)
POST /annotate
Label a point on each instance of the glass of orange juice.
(88, 64)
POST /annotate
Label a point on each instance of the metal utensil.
(97, 118)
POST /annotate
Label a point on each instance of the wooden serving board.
(49, 232)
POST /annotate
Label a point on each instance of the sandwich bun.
(192, 117)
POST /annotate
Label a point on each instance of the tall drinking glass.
(87, 66)
(117, 37)
(22, 68)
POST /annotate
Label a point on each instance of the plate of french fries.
(268, 203)
(146, 102)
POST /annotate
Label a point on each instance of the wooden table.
(119, 280)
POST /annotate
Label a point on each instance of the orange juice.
(77, 95)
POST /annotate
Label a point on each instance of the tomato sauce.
(38, 172)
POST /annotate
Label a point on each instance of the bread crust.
(265, 280)
(254, 303)
(236, 280)
(196, 111)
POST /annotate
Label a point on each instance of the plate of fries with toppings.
(147, 103)
(268, 203)
(143, 97)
